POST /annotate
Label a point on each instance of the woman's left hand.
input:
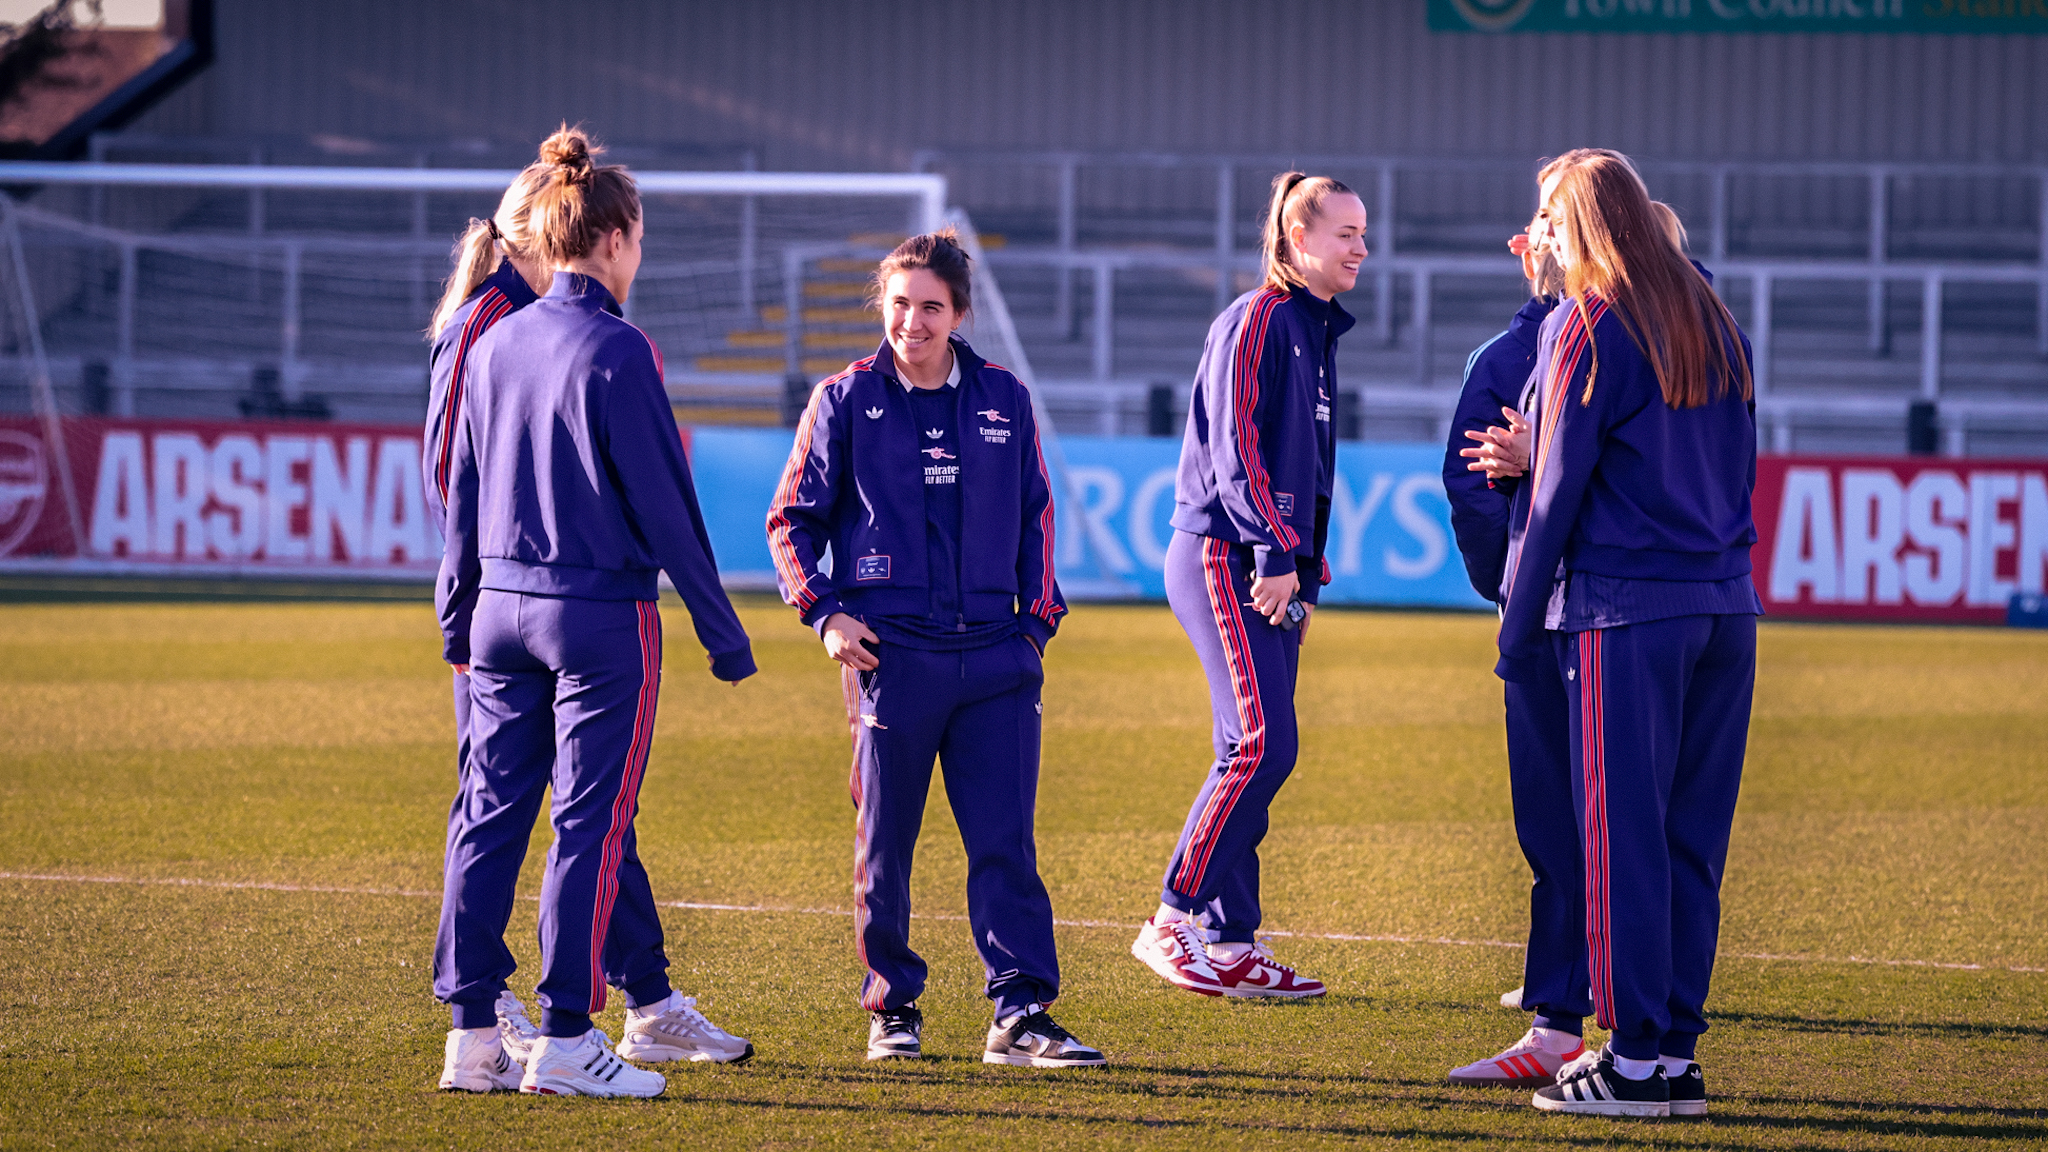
(1301, 630)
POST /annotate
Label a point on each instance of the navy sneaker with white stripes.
(1034, 1040)
(1689, 1092)
(1597, 1088)
(896, 1033)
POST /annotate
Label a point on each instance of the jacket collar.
(508, 280)
(1527, 322)
(965, 362)
(1326, 311)
(583, 291)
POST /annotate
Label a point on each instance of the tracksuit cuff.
(733, 666)
(650, 989)
(1311, 573)
(827, 606)
(455, 650)
(1036, 628)
(1267, 562)
(474, 1013)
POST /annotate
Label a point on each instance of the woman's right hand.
(846, 641)
(1501, 451)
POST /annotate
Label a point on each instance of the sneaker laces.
(902, 1019)
(1039, 1023)
(511, 1011)
(683, 1010)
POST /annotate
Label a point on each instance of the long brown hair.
(1622, 253)
(1298, 198)
(485, 242)
(579, 201)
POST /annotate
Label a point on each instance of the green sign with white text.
(1980, 17)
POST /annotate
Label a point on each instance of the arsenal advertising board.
(1892, 538)
(286, 495)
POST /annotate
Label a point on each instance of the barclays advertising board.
(1390, 529)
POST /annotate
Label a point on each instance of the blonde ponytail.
(484, 243)
(1298, 198)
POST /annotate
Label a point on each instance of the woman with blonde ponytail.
(1251, 515)
(568, 495)
(496, 274)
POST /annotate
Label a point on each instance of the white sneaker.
(1512, 999)
(675, 1030)
(585, 1066)
(1175, 951)
(472, 1063)
(1527, 1063)
(515, 1031)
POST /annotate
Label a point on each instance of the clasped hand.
(1501, 451)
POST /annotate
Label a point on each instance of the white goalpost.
(192, 291)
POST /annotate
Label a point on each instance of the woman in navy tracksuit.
(918, 472)
(1251, 516)
(568, 493)
(496, 274)
(1496, 394)
(1630, 576)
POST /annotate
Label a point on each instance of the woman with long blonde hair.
(1628, 573)
(1251, 516)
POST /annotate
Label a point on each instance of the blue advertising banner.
(1390, 528)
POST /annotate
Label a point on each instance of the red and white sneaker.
(1174, 950)
(1526, 1063)
(1256, 973)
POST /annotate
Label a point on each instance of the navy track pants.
(562, 692)
(1251, 666)
(1660, 721)
(977, 711)
(1547, 826)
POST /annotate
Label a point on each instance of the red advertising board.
(341, 498)
(1899, 538)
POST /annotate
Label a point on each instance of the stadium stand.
(209, 302)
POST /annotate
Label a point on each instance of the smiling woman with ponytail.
(568, 494)
(1251, 515)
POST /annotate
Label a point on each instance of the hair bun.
(570, 151)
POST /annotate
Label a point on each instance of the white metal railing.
(1423, 270)
(1878, 176)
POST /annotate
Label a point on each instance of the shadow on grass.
(1957, 1029)
(1723, 1129)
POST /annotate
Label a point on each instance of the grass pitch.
(1894, 823)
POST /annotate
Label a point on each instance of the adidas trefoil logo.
(935, 433)
(874, 413)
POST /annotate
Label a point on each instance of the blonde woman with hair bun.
(569, 494)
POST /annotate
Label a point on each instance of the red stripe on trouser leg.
(625, 803)
(1593, 769)
(1244, 688)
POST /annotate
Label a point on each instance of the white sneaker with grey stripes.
(585, 1066)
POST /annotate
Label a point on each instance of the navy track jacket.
(1495, 376)
(1620, 483)
(855, 485)
(502, 293)
(1259, 458)
(568, 476)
